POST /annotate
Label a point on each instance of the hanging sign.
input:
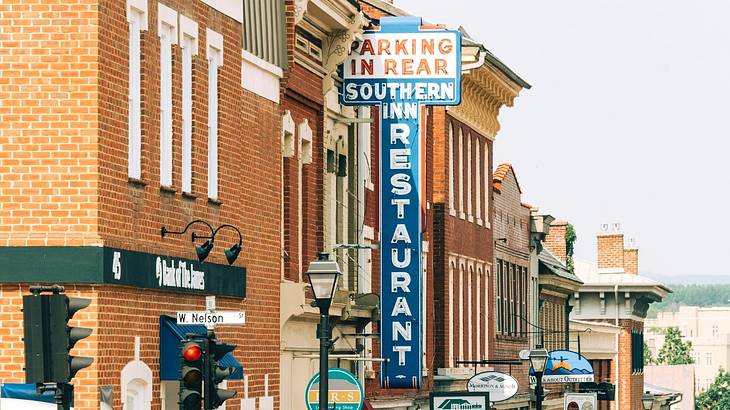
(564, 366)
(400, 67)
(344, 390)
(459, 401)
(500, 386)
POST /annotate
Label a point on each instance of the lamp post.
(323, 274)
(538, 359)
(647, 401)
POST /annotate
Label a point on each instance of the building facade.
(120, 118)
(708, 331)
(614, 292)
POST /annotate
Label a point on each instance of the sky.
(627, 120)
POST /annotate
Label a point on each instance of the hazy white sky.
(627, 120)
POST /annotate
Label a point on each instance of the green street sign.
(344, 390)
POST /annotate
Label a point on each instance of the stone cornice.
(483, 92)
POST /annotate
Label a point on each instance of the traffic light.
(217, 373)
(191, 374)
(49, 339)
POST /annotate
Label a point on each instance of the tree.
(648, 358)
(717, 396)
(570, 237)
(674, 350)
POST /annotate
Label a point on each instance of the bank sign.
(400, 67)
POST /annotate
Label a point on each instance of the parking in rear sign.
(400, 67)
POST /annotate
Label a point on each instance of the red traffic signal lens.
(192, 353)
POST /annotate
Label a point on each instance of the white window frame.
(214, 52)
(462, 268)
(477, 170)
(487, 184)
(189, 44)
(469, 208)
(137, 20)
(452, 268)
(452, 205)
(167, 31)
(462, 214)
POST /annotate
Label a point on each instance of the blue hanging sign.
(400, 67)
(565, 366)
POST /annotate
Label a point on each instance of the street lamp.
(647, 400)
(323, 274)
(538, 359)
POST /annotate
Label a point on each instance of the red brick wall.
(630, 384)
(67, 168)
(631, 261)
(610, 251)
(49, 123)
(555, 241)
(511, 221)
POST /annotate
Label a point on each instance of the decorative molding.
(300, 8)
(141, 7)
(189, 28)
(602, 295)
(336, 47)
(484, 92)
(167, 15)
(214, 40)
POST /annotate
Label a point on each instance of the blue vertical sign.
(400, 67)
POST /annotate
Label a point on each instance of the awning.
(24, 396)
(170, 336)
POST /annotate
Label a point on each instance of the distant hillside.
(693, 295)
(689, 279)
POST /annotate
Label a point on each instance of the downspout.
(618, 335)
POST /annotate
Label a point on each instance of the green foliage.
(674, 350)
(570, 237)
(717, 396)
(648, 358)
(692, 295)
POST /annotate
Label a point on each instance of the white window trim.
(167, 31)
(452, 267)
(452, 206)
(478, 287)
(470, 312)
(462, 214)
(469, 207)
(478, 176)
(137, 18)
(214, 53)
(189, 44)
(305, 141)
(487, 184)
(461, 312)
(137, 370)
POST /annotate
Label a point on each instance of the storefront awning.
(170, 335)
(24, 396)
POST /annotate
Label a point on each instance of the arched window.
(136, 386)
(452, 209)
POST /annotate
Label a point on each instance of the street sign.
(580, 401)
(604, 391)
(211, 318)
(459, 400)
(344, 391)
(564, 366)
(500, 386)
(400, 67)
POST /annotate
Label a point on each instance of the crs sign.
(400, 67)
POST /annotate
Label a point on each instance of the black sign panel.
(146, 270)
(605, 391)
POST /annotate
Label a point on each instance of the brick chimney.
(555, 241)
(611, 247)
(631, 258)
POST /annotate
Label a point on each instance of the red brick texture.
(631, 261)
(610, 251)
(67, 178)
(555, 241)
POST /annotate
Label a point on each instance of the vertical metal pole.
(206, 374)
(538, 391)
(324, 346)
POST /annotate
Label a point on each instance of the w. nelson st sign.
(400, 67)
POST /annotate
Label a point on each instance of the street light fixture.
(538, 359)
(202, 251)
(323, 274)
(647, 400)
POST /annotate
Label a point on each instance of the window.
(264, 32)
(708, 358)
(137, 19)
(462, 215)
(452, 266)
(487, 183)
(499, 296)
(637, 352)
(512, 291)
(478, 172)
(189, 43)
(469, 210)
(215, 60)
(452, 209)
(166, 27)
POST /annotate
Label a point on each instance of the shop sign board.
(500, 386)
(564, 366)
(459, 401)
(400, 67)
(580, 401)
(344, 391)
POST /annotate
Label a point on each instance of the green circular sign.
(344, 389)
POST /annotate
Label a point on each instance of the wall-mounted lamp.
(202, 251)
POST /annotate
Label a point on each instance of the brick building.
(118, 118)
(614, 293)
(511, 281)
